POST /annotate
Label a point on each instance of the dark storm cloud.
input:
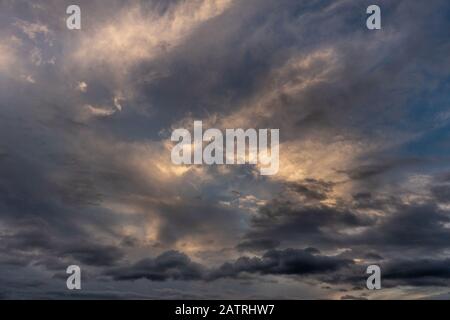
(178, 266)
(71, 193)
(367, 200)
(252, 53)
(373, 256)
(286, 219)
(399, 271)
(380, 167)
(258, 245)
(28, 240)
(307, 219)
(311, 189)
(94, 255)
(169, 265)
(40, 246)
(418, 272)
(215, 222)
(367, 171)
(443, 177)
(237, 60)
(408, 227)
(441, 193)
(42, 214)
(283, 262)
(414, 226)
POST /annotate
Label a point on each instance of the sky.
(86, 176)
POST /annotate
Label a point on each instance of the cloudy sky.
(85, 171)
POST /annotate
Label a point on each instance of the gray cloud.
(420, 272)
(283, 262)
(169, 265)
(178, 266)
(258, 245)
(85, 176)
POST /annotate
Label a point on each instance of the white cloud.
(82, 86)
(97, 111)
(135, 36)
(32, 30)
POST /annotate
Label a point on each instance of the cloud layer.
(85, 170)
